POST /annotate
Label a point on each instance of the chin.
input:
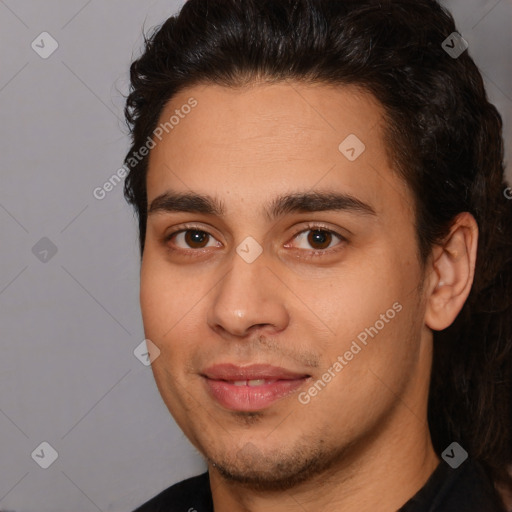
(274, 471)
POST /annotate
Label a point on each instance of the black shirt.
(465, 489)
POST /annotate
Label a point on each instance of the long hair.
(442, 134)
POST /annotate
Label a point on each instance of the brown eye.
(319, 239)
(191, 239)
(196, 239)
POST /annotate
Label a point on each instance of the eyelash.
(312, 253)
(309, 227)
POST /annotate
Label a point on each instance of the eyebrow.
(306, 202)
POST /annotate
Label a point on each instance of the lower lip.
(251, 398)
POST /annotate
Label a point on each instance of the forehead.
(265, 137)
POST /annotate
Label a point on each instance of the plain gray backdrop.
(69, 268)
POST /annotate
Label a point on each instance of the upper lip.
(231, 372)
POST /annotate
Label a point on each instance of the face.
(280, 279)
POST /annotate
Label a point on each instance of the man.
(326, 250)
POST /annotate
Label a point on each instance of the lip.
(232, 372)
(277, 384)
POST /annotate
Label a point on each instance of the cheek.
(352, 295)
(164, 301)
(158, 303)
(168, 314)
(373, 300)
(174, 312)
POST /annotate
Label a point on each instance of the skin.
(362, 443)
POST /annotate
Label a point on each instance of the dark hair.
(441, 132)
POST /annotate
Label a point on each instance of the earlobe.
(452, 271)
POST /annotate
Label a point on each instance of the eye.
(193, 239)
(317, 239)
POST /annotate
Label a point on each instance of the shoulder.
(472, 487)
(191, 495)
(467, 488)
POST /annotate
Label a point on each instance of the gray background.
(70, 324)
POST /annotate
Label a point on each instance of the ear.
(452, 269)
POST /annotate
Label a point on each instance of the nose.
(248, 298)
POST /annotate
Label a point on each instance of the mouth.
(251, 388)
